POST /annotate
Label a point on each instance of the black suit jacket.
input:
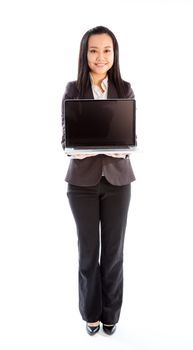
(88, 171)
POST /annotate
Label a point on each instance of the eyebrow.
(96, 47)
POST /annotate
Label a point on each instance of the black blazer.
(88, 171)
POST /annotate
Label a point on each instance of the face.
(100, 54)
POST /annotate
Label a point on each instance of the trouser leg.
(114, 204)
(84, 204)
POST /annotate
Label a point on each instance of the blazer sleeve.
(128, 90)
(70, 93)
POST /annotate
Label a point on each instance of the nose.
(100, 57)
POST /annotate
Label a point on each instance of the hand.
(116, 155)
(83, 155)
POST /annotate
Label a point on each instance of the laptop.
(100, 126)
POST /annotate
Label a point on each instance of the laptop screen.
(100, 123)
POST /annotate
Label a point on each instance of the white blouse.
(100, 94)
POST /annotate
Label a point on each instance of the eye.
(92, 51)
(107, 51)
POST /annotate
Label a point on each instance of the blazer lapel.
(112, 92)
(88, 93)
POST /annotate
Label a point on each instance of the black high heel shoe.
(92, 330)
(109, 329)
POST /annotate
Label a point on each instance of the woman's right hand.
(83, 155)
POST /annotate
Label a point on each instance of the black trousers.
(100, 213)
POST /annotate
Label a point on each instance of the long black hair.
(114, 74)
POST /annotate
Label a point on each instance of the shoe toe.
(109, 329)
(92, 330)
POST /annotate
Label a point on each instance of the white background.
(38, 248)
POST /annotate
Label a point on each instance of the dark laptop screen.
(99, 123)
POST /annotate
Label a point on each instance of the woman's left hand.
(116, 155)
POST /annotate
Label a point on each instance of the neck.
(97, 79)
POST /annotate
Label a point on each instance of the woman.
(99, 189)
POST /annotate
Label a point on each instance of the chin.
(101, 71)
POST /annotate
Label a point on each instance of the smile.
(100, 64)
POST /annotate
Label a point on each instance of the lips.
(100, 64)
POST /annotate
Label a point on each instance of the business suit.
(99, 201)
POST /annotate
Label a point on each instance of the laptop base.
(72, 151)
